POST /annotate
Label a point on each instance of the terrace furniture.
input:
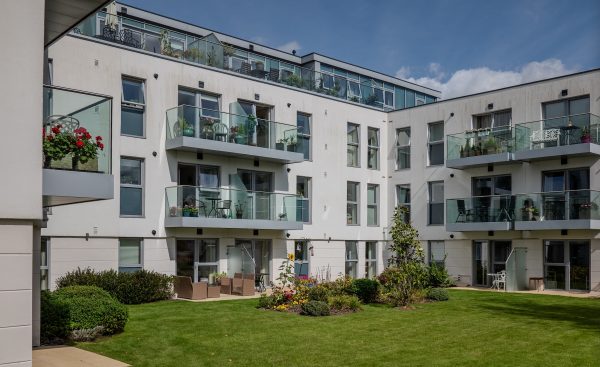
(499, 280)
(463, 212)
(244, 68)
(243, 284)
(214, 291)
(273, 75)
(506, 212)
(545, 136)
(128, 39)
(184, 288)
(568, 133)
(538, 283)
(109, 33)
(225, 284)
(219, 131)
(213, 207)
(224, 209)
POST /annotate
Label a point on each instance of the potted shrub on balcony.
(186, 128)
(239, 210)
(173, 211)
(251, 128)
(190, 211)
(586, 137)
(529, 212)
(291, 144)
(490, 146)
(79, 145)
(280, 145)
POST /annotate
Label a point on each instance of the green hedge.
(315, 308)
(438, 294)
(367, 290)
(91, 307)
(54, 325)
(345, 303)
(138, 287)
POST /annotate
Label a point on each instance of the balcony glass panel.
(558, 131)
(202, 123)
(67, 147)
(224, 203)
(480, 209)
(558, 205)
(478, 142)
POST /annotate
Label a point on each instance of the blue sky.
(426, 41)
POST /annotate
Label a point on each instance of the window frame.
(493, 114)
(430, 203)
(430, 253)
(45, 241)
(134, 105)
(374, 205)
(353, 144)
(398, 147)
(347, 260)
(370, 261)
(306, 196)
(141, 186)
(431, 143)
(197, 244)
(307, 136)
(306, 260)
(404, 204)
(138, 266)
(374, 148)
(355, 203)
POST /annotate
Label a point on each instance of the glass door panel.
(501, 251)
(234, 260)
(579, 263)
(480, 263)
(555, 268)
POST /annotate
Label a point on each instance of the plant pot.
(47, 162)
(279, 146)
(240, 140)
(586, 139)
(185, 213)
(75, 163)
(189, 132)
(291, 147)
(238, 215)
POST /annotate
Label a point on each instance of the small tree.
(407, 273)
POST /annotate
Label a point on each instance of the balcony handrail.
(228, 113)
(232, 189)
(66, 89)
(556, 192)
(482, 196)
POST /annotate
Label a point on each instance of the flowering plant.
(59, 143)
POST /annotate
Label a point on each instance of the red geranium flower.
(56, 129)
(101, 146)
(88, 136)
(79, 144)
(98, 138)
(50, 137)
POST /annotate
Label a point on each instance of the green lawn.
(472, 329)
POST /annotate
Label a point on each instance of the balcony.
(575, 135)
(202, 130)
(77, 166)
(576, 209)
(479, 147)
(479, 213)
(200, 207)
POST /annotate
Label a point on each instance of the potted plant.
(79, 144)
(186, 127)
(173, 211)
(467, 149)
(239, 210)
(216, 277)
(240, 134)
(491, 146)
(529, 211)
(190, 211)
(291, 143)
(280, 145)
(251, 128)
(586, 137)
(55, 145)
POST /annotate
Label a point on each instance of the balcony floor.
(479, 226)
(557, 224)
(203, 222)
(61, 187)
(588, 149)
(480, 160)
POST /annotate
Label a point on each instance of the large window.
(373, 149)
(370, 259)
(573, 111)
(353, 145)
(132, 187)
(351, 259)
(567, 265)
(436, 143)
(133, 105)
(436, 203)
(301, 259)
(303, 122)
(403, 148)
(130, 255)
(352, 198)
(44, 263)
(303, 189)
(495, 120)
(197, 259)
(372, 205)
(437, 253)
(403, 200)
(557, 204)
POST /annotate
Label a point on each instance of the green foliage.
(315, 308)
(344, 303)
(438, 294)
(438, 276)
(318, 293)
(367, 290)
(294, 81)
(340, 286)
(55, 315)
(91, 307)
(138, 287)
(402, 283)
(405, 245)
(266, 302)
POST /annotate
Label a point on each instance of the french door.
(567, 265)
(489, 257)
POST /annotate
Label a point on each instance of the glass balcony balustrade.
(480, 209)
(560, 131)
(480, 142)
(559, 205)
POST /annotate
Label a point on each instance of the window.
(44, 264)
(352, 195)
(492, 185)
(303, 124)
(351, 259)
(353, 145)
(419, 99)
(577, 109)
(500, 119)
(301, 259)
(197, 259)
(130, 255)
(436, 203)
(373, 152)
(132, 187)
(370, 259)
(303, 189)
(372, 205)
(133, 105)
(403, 200)
(437, 253)
(436, 143)
(403, 148)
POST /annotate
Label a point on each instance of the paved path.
(63, 356)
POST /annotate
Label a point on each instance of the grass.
(472, 329)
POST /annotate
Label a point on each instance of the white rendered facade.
(88, 234)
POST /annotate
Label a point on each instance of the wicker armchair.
(243, 284)
(184, 288)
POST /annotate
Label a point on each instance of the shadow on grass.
(583, 316)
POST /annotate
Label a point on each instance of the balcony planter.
(190, 212)
(291, 147)
(279, 146)
(189, 131)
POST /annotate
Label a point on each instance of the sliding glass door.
(197, 259)
(250, 257)
(567, 265)
(489, 257)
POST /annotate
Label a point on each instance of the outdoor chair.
(184, 288)
(500, 281)
(219, 131)
(225, 285)
(128, 39)
(463, 212)
(243, 284)
(274, 75)
(224, 208)
(545, 136)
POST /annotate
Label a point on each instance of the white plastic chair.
(500, 280)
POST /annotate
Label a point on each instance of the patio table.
(213, 205)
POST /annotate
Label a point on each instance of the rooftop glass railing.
(77, 130)
(559, 131)
(232, 204)
(558, 205)
(202, 123)
(480, 209)
(210, 51)
(479, 142)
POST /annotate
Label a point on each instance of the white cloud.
(469, 81)
(288, 47)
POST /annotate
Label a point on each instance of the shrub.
(403, 283)
(344, 303)
(91, 307)
(87, 335)
(54, 325)
(318, 293)
(438, 276)
(315, 308)
(138, 287)
(266, 302)
(367, 290)
(340, 286)
(438, 294)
